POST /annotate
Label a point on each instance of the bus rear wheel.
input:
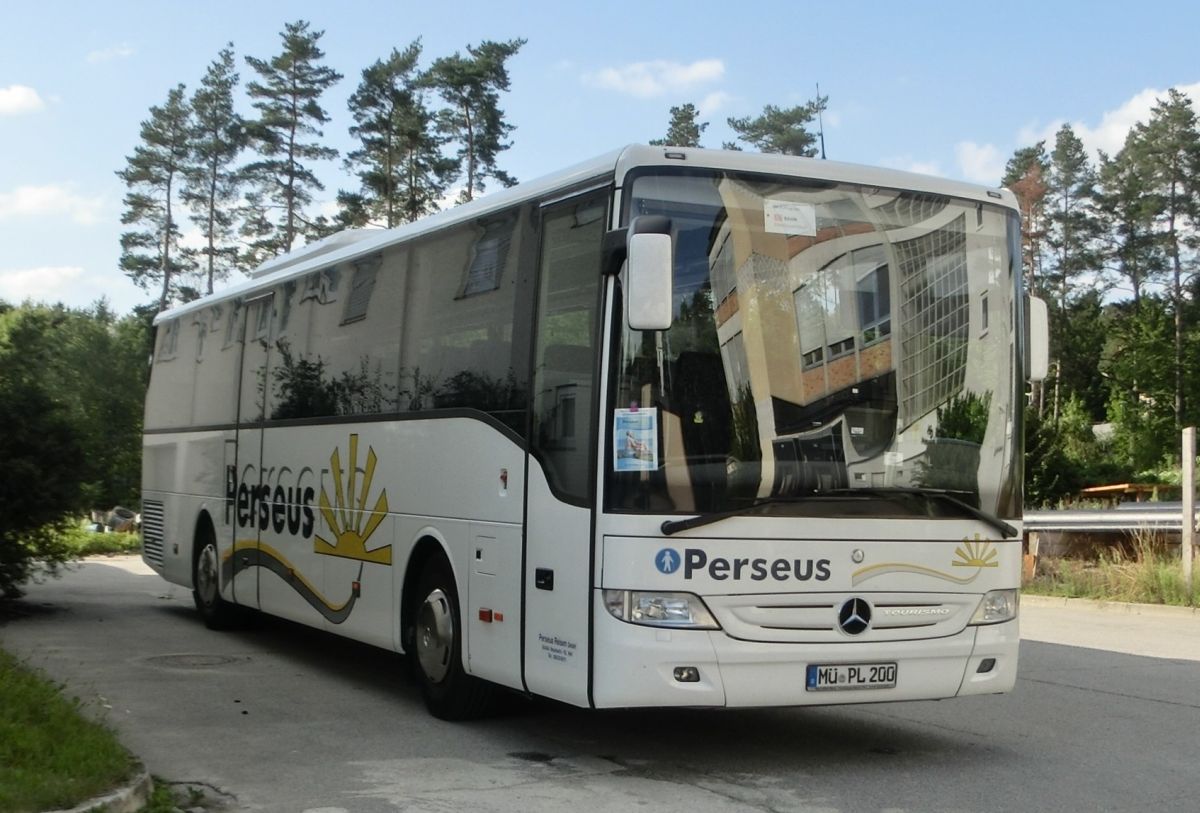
(218, 614)
(449, 692)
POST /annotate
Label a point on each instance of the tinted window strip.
(383, 417)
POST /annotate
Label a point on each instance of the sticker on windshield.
(635, 439)
(786, 217)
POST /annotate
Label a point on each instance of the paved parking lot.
(288, 719)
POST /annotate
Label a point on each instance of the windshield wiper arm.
(670, 526)
(945, 496)
(673, 526)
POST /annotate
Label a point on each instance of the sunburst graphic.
(975, 554)
(349, 521)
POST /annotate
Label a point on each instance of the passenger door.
(247, 476)
(560, 486)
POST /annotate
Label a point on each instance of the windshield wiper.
(673, 526)
(670, 526)
(934, 494)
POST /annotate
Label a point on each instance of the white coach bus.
(673, 427)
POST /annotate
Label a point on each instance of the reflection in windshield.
(826, 337)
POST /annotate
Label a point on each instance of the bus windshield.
(836, 350)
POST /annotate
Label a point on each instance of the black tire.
(449, 692)
(218, 614)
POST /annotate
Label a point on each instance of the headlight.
(654, 609)
(997, 606)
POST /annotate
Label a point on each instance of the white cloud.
(122, 51)
(71, 285)
(18, 99)
(25, 201)
(714, 103)
(193, 237)
(1109, 135)
(647, 80)
(46, 284)
(329, 208)
(980, 163)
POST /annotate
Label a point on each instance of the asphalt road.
(283, 718)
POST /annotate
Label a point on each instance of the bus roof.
(351, 244)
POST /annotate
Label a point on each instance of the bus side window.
(217, 368)
(335, 345)
(458, 344)
(173, 376)
(566, 355)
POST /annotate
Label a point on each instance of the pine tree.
(471, 86)
(290, 114)
(1071, 191)
(399, 163)
(150, 253)
(685, 128)
(1126, 203)
(1074, 230)
(1025, 174)
(214, 184)
(1171, 150)
(780, 130)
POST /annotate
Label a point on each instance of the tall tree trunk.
(411, 198)
(470, 153)
(164, 261)
(212, 217)
(289, 194)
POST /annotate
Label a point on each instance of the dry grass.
(1145, 571)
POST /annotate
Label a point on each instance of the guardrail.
(1164, 516)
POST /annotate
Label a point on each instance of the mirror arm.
(615, 249)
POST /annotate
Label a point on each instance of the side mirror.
(649, 288)
(1039, 339)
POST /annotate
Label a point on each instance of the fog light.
(687, 674)
(986, 665)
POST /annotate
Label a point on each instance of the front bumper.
(635, 665)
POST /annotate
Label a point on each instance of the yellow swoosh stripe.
(862, 574)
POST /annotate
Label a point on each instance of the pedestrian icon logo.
(667, 561)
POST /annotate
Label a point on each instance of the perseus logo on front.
(719, 568)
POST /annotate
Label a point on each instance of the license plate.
(825, 677)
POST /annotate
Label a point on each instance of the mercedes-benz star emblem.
(855, 616)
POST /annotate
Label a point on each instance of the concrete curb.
(128, 799)
(1160, 610)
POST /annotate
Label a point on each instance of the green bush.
(83, 542)
(71, 390)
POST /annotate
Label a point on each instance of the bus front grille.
(813, 617)
(152, 531)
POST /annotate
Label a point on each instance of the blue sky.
(947, 89)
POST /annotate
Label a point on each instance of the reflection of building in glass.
(934, 312)
(851, 339)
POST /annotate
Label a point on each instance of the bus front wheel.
(449, 692)
(218, 614)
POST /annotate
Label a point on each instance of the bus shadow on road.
(548, 730)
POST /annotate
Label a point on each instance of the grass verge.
(1147, 572)
(51, 755)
